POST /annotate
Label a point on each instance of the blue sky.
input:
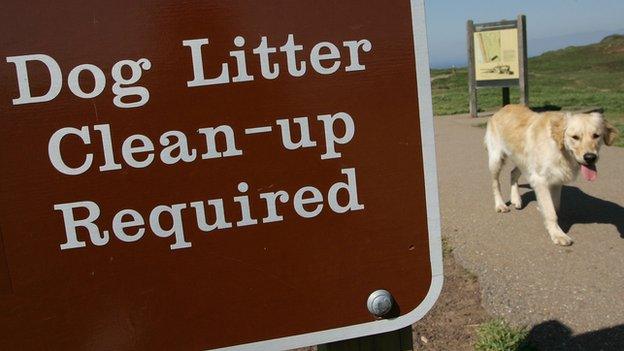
(551, 24)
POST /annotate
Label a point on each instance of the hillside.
(574, 77)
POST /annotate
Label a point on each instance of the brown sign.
(207, 174)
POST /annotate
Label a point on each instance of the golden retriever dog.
(549, 149)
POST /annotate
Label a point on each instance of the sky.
(551, 24)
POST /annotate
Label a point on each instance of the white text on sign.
(325, 58)
(138, 151)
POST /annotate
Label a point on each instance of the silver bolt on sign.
(380, 303)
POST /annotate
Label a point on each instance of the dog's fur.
(549, 149)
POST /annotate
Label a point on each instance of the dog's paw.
(517, 203)
(502, 208)
(561, 239)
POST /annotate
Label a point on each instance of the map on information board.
(496, 54)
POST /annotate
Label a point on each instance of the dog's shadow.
(578, 207)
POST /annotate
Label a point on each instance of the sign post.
(497, 58)
(400, 340)
(214, 175)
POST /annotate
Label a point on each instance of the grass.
(447, 249)
(498, 335)
(570, 78)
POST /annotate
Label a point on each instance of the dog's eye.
(596, 136)
(576, 137)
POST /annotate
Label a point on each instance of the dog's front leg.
(545, 201)
(555, 193)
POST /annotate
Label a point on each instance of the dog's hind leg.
(496, 162)
(496, 159)
(516, 200)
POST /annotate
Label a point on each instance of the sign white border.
(433, 219)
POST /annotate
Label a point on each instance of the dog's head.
(582, 135)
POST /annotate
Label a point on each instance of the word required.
(129, 225)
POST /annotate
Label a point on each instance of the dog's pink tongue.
(589, 172)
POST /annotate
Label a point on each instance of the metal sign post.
(497, 58)
(214, 175)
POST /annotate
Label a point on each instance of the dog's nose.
(590, 158)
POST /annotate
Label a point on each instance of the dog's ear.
(557, 128)
(610, 133)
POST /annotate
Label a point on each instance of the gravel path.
(525, 278)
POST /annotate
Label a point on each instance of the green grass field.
(570, 78)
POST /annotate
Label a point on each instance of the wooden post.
(506, 100)
(524, 61)
(400, 340)
(472, 78)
